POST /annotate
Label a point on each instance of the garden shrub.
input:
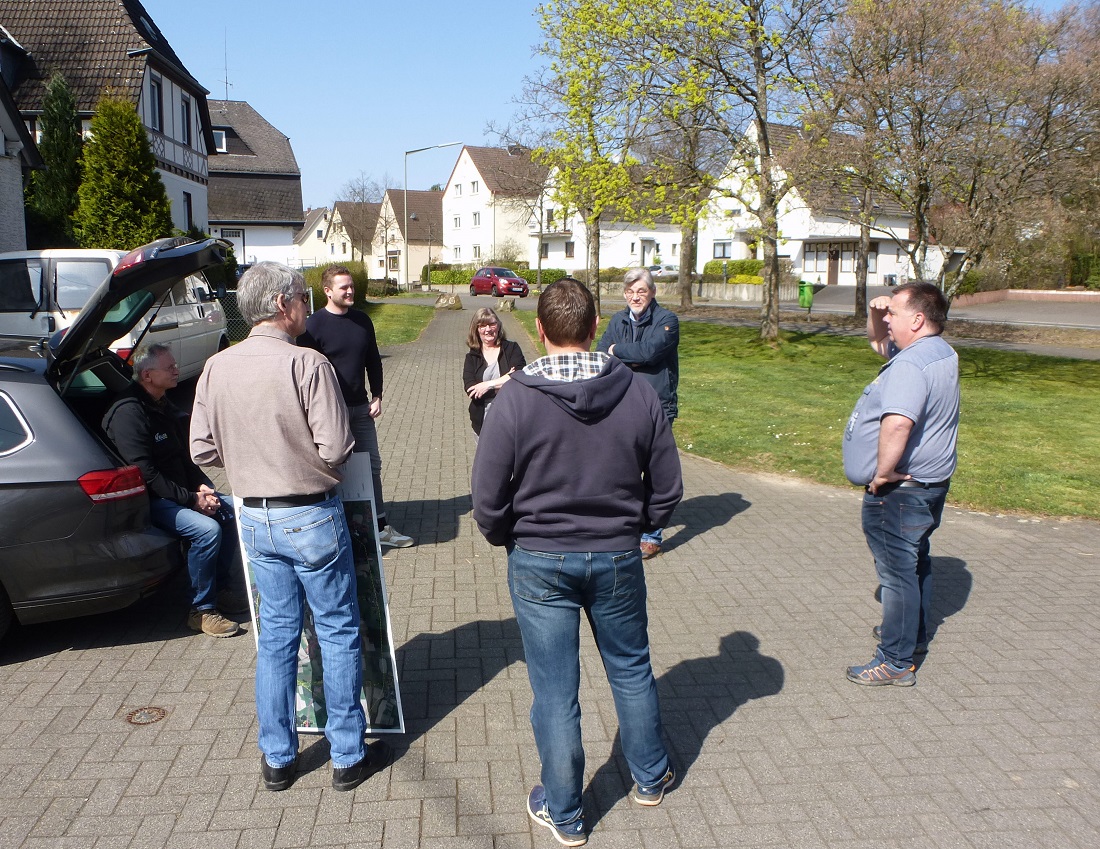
(734, 267)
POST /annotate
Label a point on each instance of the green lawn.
(1029, 439)
(396, 324)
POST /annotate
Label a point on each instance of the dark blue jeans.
(898, 523)
(213, 560)
(549, 591)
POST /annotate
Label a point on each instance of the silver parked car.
(75, 536)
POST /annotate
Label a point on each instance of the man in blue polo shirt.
(899, 445)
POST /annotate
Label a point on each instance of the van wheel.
(223, 343)
(7, 616)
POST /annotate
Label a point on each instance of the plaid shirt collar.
(567, 368)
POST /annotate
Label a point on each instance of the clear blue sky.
(355, 84)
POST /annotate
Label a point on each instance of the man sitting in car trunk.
(150, 432)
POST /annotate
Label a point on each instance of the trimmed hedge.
(364, 285)
(734, 267)
(549, 275)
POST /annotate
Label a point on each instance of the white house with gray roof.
(255, 185)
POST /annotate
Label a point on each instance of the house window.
(474, 186)
(395, 260)
(675, 248)
(569, 249)
(723, 250)
(343, 247)
(457, 253)
(185, 120)
(549, 219)
(458, 190)
(321, 234)
(381, 263)
(219, 141)
(633, 248)
(188, 211)
(872, 259)
(477, 251)
(544, 250)
(847, 257)
(156, 104)
(458, 222)
(477, 219)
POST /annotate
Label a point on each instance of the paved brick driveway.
(763, 596)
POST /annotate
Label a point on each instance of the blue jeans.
(549, 591)
(366, 442)
(296, 553)
(898, 523)
(210, 563)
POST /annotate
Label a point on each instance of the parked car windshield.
(77, 279)
(504, 272)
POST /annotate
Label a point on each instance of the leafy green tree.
(51, 192)
(122, 202)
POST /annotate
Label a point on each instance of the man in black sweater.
(346, 337)
(575, 462)
(151, 432)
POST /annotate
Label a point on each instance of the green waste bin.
(805, 294)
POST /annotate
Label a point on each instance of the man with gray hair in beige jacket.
(271, 413)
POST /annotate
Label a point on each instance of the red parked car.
(498, 282)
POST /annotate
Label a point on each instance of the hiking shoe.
(649, 549)
(652, 794)
(922, 648)
(232, 602)
(211, 622)
(880, 672)
(392, 537)
(570, 834)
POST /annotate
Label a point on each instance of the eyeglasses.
(293, 296)
(638, 292)
(484, 327)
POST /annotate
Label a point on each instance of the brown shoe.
(211, 622)
(649, 549)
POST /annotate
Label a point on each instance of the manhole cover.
(146, 715)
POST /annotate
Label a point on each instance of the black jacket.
(153, 436)
(473, 370)
(653, 354)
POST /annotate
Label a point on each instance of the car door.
(201, 324)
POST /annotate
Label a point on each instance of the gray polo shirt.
(921, 383)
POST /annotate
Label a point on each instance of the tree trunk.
(769, 310)
(689, 242)
(592, 225)
(861, 257)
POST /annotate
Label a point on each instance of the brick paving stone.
(763, 595)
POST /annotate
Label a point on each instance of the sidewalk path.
(763, 596)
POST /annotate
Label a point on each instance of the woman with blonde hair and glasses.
(491, 358)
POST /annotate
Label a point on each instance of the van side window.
(77, 279)
(20, 285)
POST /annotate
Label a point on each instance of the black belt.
(288, 501)
(890, 487)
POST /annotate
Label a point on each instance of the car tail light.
(113, 484)
(125, 354)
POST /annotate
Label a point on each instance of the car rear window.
(20, 285)
(14, 431)
(77, 279)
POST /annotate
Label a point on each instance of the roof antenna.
(225, 49)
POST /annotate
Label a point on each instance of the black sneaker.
(277, 778)
(921, 648)
(377, 758)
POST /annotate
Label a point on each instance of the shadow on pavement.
(430, 521)
(951, 585)
(703, 513)
(697, 696)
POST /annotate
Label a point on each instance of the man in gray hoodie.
(576, 459)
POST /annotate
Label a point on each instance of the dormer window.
(219, 141)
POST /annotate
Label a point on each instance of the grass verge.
(396, 324)
(1029, 437)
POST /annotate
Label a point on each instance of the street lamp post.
(405, 213)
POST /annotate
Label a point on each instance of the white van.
(41, 292)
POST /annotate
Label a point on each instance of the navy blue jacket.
(650, 349)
